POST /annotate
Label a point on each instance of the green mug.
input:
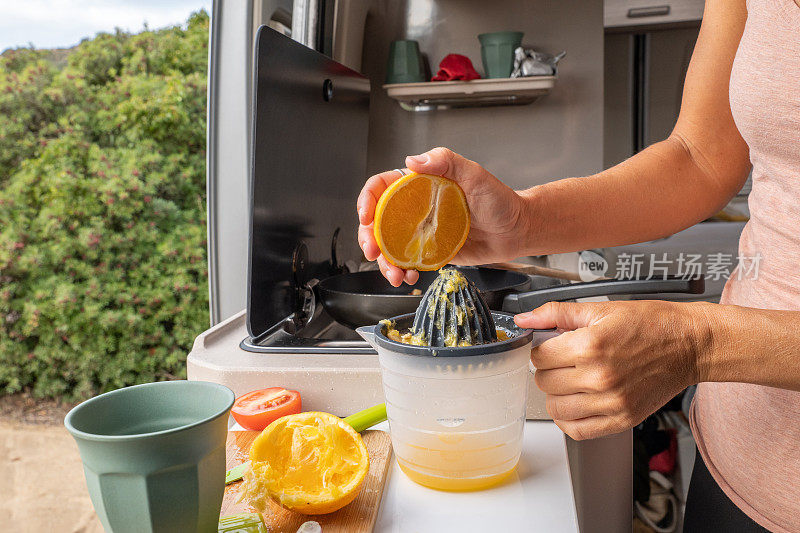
(405, 63)
(154, 455)
(497, 52)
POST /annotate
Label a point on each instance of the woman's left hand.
(616, 362)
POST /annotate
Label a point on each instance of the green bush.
(103, 279)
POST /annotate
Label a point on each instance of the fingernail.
(420, 159)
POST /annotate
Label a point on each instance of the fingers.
(371, 192)
(390, 272)
(444, 162)
(393, 274)
(366, 241)
(568, 316)
(412, 276)
(577, 406)
(564, 351)
(367, 200)
(562, 381)
(592, 427)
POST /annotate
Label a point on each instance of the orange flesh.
(311, 463)
(421, 221)
(408, 338)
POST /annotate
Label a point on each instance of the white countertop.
(538, 497)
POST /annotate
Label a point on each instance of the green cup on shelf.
(497, 52)
(154, 455)
(405, 63)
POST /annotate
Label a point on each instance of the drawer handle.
(655, 11)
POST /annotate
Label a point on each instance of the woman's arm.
(665, 188)
(618, 362)
(672, 184)
(748, 345)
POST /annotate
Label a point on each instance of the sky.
(63, 23)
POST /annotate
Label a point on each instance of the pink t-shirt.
(749, 435)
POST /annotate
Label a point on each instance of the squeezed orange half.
(311, 463)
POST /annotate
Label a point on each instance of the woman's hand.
(617, 362)
(498, 217)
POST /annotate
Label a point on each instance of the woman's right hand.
(499, 222)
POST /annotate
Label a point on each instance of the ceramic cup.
(154, 455)
(497, 52)
(405, 63)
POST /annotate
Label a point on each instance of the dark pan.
(364, 298)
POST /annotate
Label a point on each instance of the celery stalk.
(367, 418)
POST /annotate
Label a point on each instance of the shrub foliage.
(103, 279)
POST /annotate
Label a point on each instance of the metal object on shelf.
(529, 62)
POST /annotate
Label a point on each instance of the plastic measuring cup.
(456, 415)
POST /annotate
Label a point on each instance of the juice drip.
(454, 484)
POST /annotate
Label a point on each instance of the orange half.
(421, 221)
(311, 463)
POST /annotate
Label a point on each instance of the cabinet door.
(618, 99)
(643, 83)
(668, 55)
(632, 13)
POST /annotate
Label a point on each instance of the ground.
(42, 488)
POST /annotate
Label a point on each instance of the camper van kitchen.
(428, 265)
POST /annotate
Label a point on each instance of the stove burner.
(321, 334)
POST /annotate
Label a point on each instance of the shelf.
(430, 95)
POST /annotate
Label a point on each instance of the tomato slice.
(259, 408)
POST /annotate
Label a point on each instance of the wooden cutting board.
(359, 516)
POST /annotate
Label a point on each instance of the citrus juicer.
(456, 412)
(453, 313)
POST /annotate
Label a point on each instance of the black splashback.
(309, 163)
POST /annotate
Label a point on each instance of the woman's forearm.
(747, 345)
(670, 185)
(663, 189)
